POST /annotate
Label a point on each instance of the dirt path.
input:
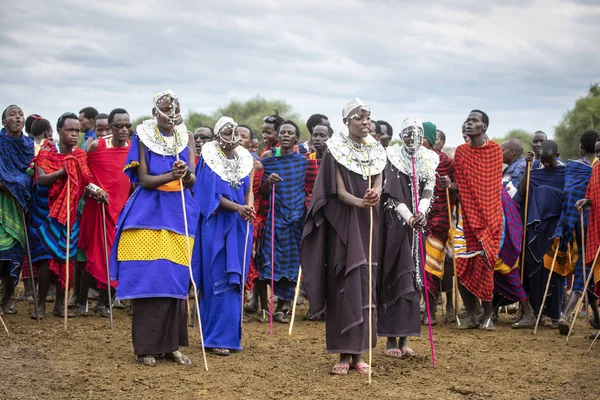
(90, 361)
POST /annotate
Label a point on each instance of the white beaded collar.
(159, 144)
(231, 171)
(368, 159)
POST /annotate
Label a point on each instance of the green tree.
(195, 120)
(585, 115)
(522, 135)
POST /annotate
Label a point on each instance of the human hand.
(530, 156)
(246, 212)
(419, 221)
(583, 203)
(444, 181)
(101, 197)
(371, 198)
(179, 169)
(274, 178)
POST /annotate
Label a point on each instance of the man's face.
(14, 119)
(548, 160)
(287, 136)
(474, 125)
(507, 153)
(269, 134)
(410, 135)
(102, 128)
(597, 148)
(536, 143)
(85, 123)
(244, 137)
(372, 130)
(383, 137)
(69, 133)
(319, 137)
(201, 136)
(120, 127)
(254, 146)
(359, 122)
(439, 142)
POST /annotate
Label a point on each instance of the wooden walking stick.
(296, 294)
(537, 322)
(587, 282)
(524, 246)
(4, 325)
(110, 308)
(453, 260)
(189, 259)
(422, 254)
(68, 248)
(585, 301)
(250, 196)
(594, 341)
(370, 285)
(28, 246)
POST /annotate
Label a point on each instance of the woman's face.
(170, 112)
(228, 140)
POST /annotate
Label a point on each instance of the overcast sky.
(523, 62)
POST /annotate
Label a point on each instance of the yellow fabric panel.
(563, 259)
(173, 186)
(149, 245)
(132, 164)
(503, 268)
(435, 257)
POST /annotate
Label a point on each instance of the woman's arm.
(148, 181)
(343, 194)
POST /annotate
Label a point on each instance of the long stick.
(250, 195)
(35, 303)
(189, 259)
(524, 246)
(272, 299)
(296, 294)
(3, 324)
(587, 282)
(537, 322)
(584, 294)
(110, 308)
(68, 247)
(422, 254)
(370, 286)
(453, 260)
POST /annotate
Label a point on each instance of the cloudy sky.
(523, 62)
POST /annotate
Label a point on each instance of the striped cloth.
(478, 175)
(15, 158)
(290, 197)
(311, 176)
(593, 238)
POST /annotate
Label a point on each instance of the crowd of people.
(366, 230)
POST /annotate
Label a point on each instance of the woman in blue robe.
(220, 261)
(150, 258)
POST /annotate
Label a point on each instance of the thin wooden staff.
(189, 259)
(583, 263)
(524, 246)
(422, 259)
(110, 308)
(370, 285)
(271, 297)
(587, 282)
(537, 322)
(296, 295)
(246, 252)
(4, 325)
(594, 341)
(28, 246)
(68, 248)
(453, 260)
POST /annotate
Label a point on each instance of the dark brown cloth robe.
(334, 256)
(399, 314)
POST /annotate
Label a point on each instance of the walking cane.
(27, 245)
(68, 248)
(370, 284)
(453, 260)
(587, 282)
(585, 301)
(189, 259)
(537, 322)
(296, 295)
(594, 341)
(110, 308)
(271, 299)
(246, 254)
(524, 246)
(4, 325)
(422, 254)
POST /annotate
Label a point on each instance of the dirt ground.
(42, 361)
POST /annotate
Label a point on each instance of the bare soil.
(42, 361)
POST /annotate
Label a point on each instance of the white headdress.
(353, 105)
(412, 126)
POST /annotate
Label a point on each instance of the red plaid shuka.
(593, 235)
(259, 224)
(76, 166)
(311, 175)
(438, 222)
(478, 174)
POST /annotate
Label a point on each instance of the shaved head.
(514, 144)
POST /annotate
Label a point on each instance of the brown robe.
(334, 256)
(399, 314)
